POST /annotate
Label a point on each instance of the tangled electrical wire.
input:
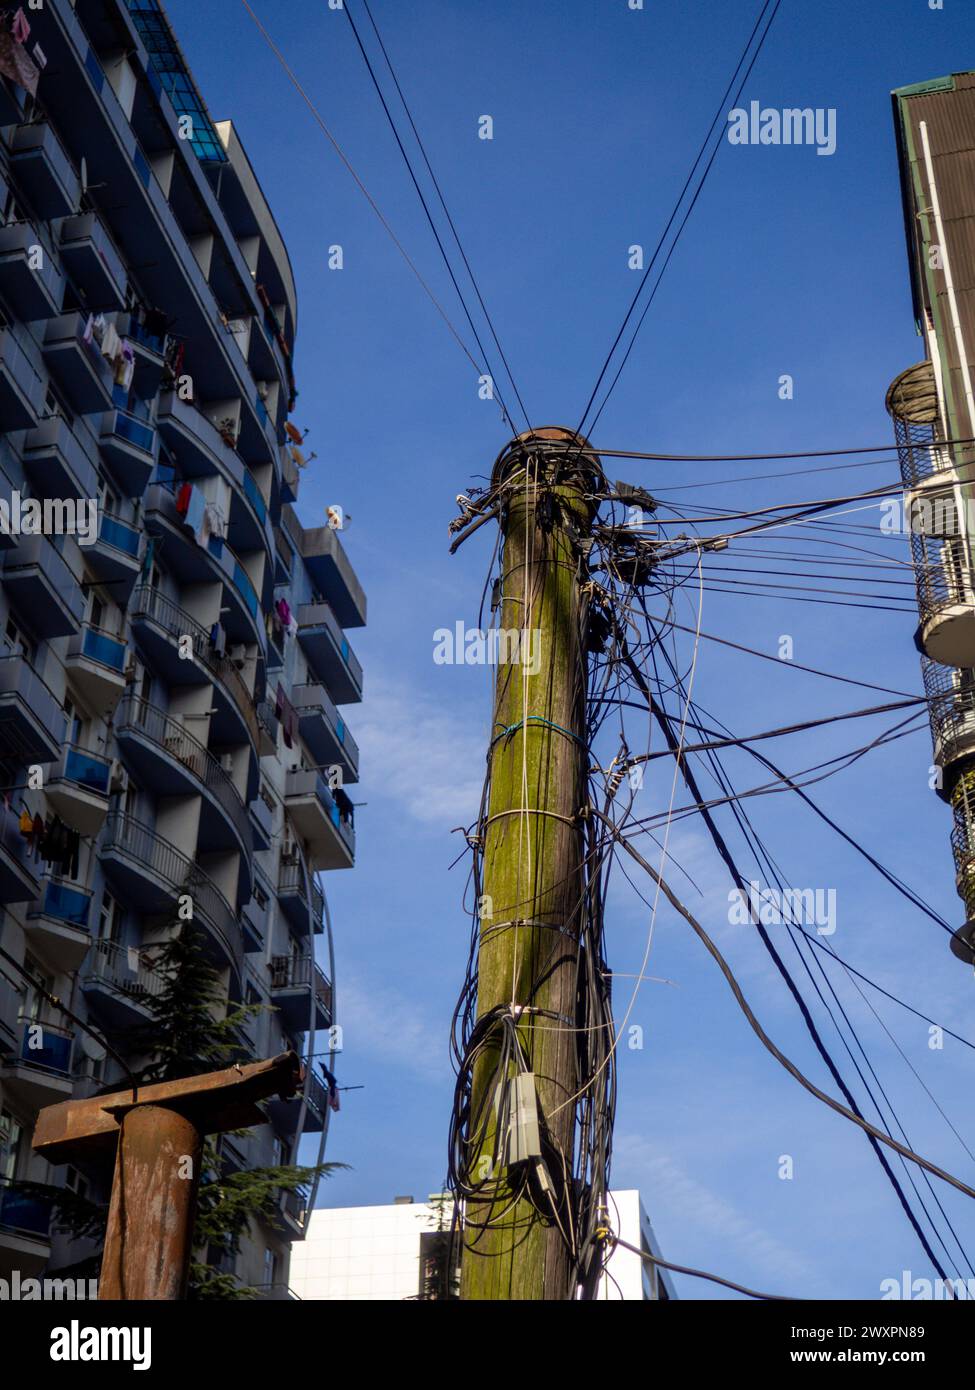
(631, 561)
(565, 1185)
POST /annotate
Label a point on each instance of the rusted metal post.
(148, 1244)
(157, 1134)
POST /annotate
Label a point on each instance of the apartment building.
(173, 664)
(933, 408)
(402, 1250)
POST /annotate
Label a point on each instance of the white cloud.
(378, 1021)
(426, 756)
(667, 1186)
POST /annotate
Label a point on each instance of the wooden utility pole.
(532, 892)
(157, 1133)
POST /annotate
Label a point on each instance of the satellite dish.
(92, 1048)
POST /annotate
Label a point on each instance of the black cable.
(673, 216)
(700, 1273)
(446, 211)
(429, 217)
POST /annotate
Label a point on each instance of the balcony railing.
(123, 968)
(143, 847)
(89, 770)
(301, 972)
(291, 881)
(173, 738)
(23, 1212)
(120, 534)
(152, 604)
(98, 645)
(46, 1046)
(64, 902)
(951, 708)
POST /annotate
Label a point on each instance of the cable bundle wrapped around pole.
(531, 1132)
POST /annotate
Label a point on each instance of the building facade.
(403, 1251)
(933, 408)
(173, 649)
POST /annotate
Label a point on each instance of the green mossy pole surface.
(533, 851)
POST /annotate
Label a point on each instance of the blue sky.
(792, 263)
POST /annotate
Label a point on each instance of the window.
(55, 406)
(36, 1001)
(76, 1182)
(11, 1138)
(108, 499)
(77, 724)
(109, 919)
(270, 1267)
(17, 643)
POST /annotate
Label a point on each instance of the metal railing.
(172, 736)
(124, 968)
(151, 604)
(941, 573)
(951, 708)
(301, 972)
(125, 834)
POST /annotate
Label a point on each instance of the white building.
(391, 1252)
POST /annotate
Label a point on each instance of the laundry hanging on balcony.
(125, 365)
(20, 27)
(287, 715)
(15, 62)
(288, 622)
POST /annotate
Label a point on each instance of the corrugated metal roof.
(947, 110)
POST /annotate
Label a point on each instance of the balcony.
(95, 664)
(45, 171)
(78, 367)
(42, 588)
(32, 722)
(946, 599)
(951, 710)
(21, 389)
(25, 1226)
(149, 873)
(294, 901)
(19, 869)
(292, 1214)
(323, 820)
(284, 1113)
(130, 447)
(301, 992)
(40, 1072)
(30, 281)
(78, 789)
(158, 625)
(193, 437)
(88, 252)
(330, 570)
(118, 981)
(192, 563)
(328, 653)
(115, 556)
(150, 353)
(262, 820)
(56, 463)
(323, 731)
(166, 756)
(57, 924)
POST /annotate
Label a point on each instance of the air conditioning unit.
(238, 655)
(130, 670)
(119, 781)
(227, 762)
